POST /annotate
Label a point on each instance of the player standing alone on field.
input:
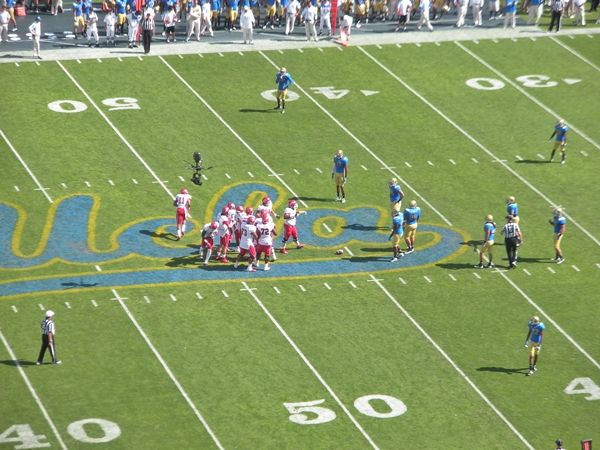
(48, 333)
(183, 203)
(560, 135)
(559, 222)
(339, 173)
(489, 230)
(283, 80)
(290, 214)
(535, 334)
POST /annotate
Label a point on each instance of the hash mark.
(452, 162)
(583, 152)
(513, 39)
(68, 305)
(78, 61)
(280, 52)
(276, 289)
(225, 294)
(598, 265)
(37, 63)
(241, 53)
(351, 283)
(320, 49)
(533, 39)
(173, 297)
(327, 286)
(571, 37)
(119, 58)
(41, 306)
(477, 275)
(95, 303)
(519, 157)
(327, 227)
(407, 164)
(98, 268)
(526, 272)
(340, 49)
(539, 155)
(575, 268)
(348, 251)
(398, 45)
(302, 288)
(430, 163)
(200, 55)
(379, 47)
(250, 174)
(221, 55)
(437, 43)
(474, 160)
(452, 277)
(319, 170)
(111, 182)
(364, 168)
(296, 171)
(147, 299)
(427, 278)
(99, 60)
(17, 188)
(63, 185)
(227, 175)
(205, 177)
(134, 181)
(475, 41)
(417, 44)
(14, 308)
(402, 280)
(87, 183)
(495, 41)
(551, 270)
(181, 178)
(140, 58)
(199, 295)
(300, 50)
(180, 56)
(17, 64)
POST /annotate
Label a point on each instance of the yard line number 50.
(310, 413)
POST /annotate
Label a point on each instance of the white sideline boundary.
(463, 375)
(576, 53)
(168, 370)
(115, 129)
(24, 164)
(226, 125)
(362, 144)
(477, 143)
(309, 365)
(34, 394)
(525, 93)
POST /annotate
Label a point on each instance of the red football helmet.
(250, 220)
(184, 191)
(249, 210)
(264, 216)
(231, 205)
(240, 208)
(293, 204)
(225, 210)
(214, 225)
(266, 200)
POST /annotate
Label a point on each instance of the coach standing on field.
(147, 31)
(48, 333)
(512, 237)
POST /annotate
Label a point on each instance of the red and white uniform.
(208, 236)
(289, 224)
(182, 203)
(247, 240)
(240, 219)
(223, 232)
(265, 238)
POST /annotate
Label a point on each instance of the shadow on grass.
(255, 110)
(456, 266)
(315, 199)
(532, 161)
(73, 285)
(154, 234)
(366, 259)
(360, 227)
(16, 363)
(184, 261)
(505, 370)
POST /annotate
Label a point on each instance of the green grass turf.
(222, 347)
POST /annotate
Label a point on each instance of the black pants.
(46, 344)
(511, 250)
(594, 5)
(556, 18)
(147, 38)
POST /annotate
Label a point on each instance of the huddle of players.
(252, 232)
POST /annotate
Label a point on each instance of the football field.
(324, 351)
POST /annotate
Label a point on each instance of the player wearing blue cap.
(36, 31)
(560, 135)
(535, 334)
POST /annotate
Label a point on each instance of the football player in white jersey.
(247, 247)
(240, 218)
(266, 205)
(209, 231)
(265, 230)
(289, 225)
(183, 203)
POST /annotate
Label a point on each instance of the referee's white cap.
(49, 313)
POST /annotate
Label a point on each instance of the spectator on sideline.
(512, 238)
(476, 9)
(10, 5)
(92, 28)
(559, 222)
(215, 11)
(424, 6)
(325, 17)
(535, 11)
(56, 6)
(48, 334)
(560, 134)
(461, 12)
(133, 27)
(339, 173)
(557, 10)
(170, 19)
(78, 21)
(535, 335)
(4, 21)
(147, 31)
(121, 7)
(410, 221)
(270, 12)
(309, 16)
(292, 11)
(489, 230)
(206, 22)
(232, 13)
(345, 28)
(194, 21)
(255, 7)
(36, 31)
(579, 6)
(403, 10)
(247, 22)
(510, 13)
(495, 10)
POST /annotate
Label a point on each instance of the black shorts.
(170, 29)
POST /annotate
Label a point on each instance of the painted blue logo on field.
(70, 237)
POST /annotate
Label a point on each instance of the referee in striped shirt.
(512, 238)
(48, 333)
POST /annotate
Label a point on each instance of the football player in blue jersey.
(396, 195)
(339, 173)
(512, 209)
(560, 135)
(396, 235)
(535, 334)
(411, 217)
(489, 230)
(559, 222)
(283, 80)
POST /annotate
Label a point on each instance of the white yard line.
(168, 370)
(33, 177)
(309, 365)
(463, 375)
(553, 113)
(360, 143)
(477, 143)
(577, 54)
(238, 137)
(34, 394)
(117, 132)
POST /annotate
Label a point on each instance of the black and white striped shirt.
(511, 230)
(148, 24)
(558, 5)
(47, 326)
